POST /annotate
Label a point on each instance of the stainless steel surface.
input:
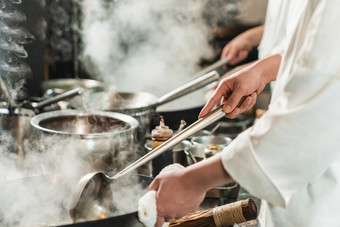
(189, 87)
(62, 85)
(211, 140)
(212, 67)
(225, 191)
(57, 98)
(193, 128)
(16, 128)
(93, 186)
(142, 105)
(140, 101)
(191, 156)
(99, 136)
(178, 154)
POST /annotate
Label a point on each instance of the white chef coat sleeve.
(298, 138)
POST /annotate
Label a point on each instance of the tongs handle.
(212, 117)
(205, 77)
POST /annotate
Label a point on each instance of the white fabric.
(290, 156)
(272, 41)
(147, 209)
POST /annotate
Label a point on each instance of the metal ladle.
(93, 198)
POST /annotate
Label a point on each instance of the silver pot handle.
(57, 98)
(206, 76)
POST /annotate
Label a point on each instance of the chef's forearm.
(208, 174)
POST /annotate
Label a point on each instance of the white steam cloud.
(144, 45)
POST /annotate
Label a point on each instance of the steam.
(36, 189)
(145, 45)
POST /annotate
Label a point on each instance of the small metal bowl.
(212, 140)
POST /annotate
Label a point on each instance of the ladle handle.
(206, 76)
(193, 128)
(57, 98)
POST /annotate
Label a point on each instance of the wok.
(44, 188)
(142, 105)
(139, 102)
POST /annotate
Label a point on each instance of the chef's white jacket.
(273, 38)
(290, 158)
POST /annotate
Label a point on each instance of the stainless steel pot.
(106, 140)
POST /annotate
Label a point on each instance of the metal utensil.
(93, 196)
(139, 102)
(57, 98)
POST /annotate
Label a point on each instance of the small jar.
(159, 135)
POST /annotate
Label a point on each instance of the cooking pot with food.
(105, 140)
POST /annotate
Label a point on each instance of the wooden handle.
(222, 216)
(237, 212)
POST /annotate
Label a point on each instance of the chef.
(290, 157)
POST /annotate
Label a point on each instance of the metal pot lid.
(84, 124)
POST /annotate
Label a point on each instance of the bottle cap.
(162, 130)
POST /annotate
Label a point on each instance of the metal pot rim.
(35, 121)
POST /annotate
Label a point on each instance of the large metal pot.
(106, 140)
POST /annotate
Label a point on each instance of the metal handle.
(57, 98)
(205, 77)
(193, 128)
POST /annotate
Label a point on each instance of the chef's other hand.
(247, 82)
(238, 48)
(176, 196)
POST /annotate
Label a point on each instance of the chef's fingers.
(159, 221)
(213, 101)
(234, 100)
(154, 185)
(225, 51)
(232, 56)
(241, 55)
(248, 102)
(233, 114)
(244, 105)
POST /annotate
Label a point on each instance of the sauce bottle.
(159, 135)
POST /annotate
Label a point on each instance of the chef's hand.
(182, 191)
(247, 82)
(238, 48)
(176, 196)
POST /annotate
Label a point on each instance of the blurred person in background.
(269, 38)
(289, 158)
